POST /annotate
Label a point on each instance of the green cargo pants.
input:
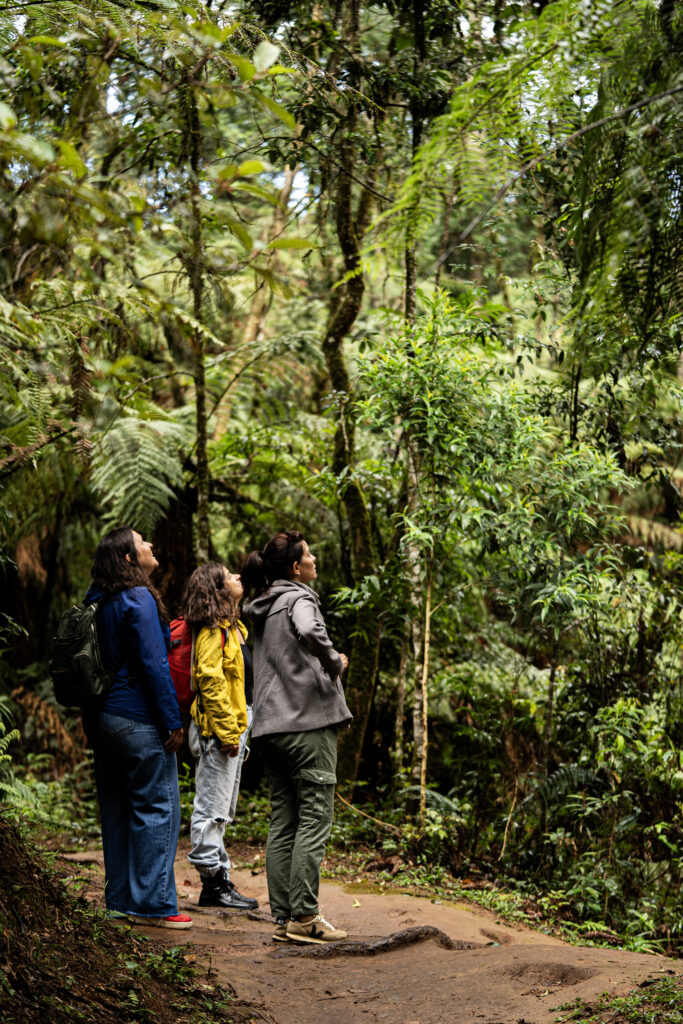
(301, 769)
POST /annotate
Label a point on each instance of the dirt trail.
(508, 975)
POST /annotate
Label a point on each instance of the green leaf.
(8, 118)
(36, 151)
(227, 172)
(47, 40)
(273, 281)
(245, 69)
(241, 232)
(265, 54)
(71, 159)
(404, 41)
(258, 191)
(250, 167)
(276, 108)
(291, 243)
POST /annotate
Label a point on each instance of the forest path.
(509, 975)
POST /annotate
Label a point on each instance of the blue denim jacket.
(135, 645)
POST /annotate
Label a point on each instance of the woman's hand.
(345, 662)
(174, 741)
(231, 749)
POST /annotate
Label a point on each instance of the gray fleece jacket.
(296, 669)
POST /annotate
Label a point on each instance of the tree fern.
(135, 466)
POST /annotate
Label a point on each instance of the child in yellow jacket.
(219, 727)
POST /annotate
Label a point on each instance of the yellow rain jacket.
(220, 707)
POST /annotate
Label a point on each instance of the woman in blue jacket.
(135, 731)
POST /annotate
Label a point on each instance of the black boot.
(218, 891)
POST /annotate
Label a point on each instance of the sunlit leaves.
(8, 118)
(265, 55)
(492, 472)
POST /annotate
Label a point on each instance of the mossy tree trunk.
(352, 219)
(194, 267)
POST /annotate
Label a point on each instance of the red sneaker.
(172, 921)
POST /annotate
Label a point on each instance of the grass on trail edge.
(63, 961)
(658, 1001)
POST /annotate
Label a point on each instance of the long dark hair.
(206, 599)
(113, 572)
(275, 562)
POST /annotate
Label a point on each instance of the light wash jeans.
(137, 790)
(217, 786)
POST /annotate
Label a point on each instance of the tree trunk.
(195, 271)
(397, 753)
(351, 226)
(547, 729)
(260, 303)
(364, 652)
(420, 600)
(425, 699)
(448, 210)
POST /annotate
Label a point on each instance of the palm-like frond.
(135, 466)
(568, 778)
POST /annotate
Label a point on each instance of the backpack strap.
(194, 643)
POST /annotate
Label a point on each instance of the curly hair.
(275, 562)
(206, 600)
(113, 572)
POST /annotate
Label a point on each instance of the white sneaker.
(318, 930)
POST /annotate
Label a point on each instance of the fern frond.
(135, 467)
(15, 793)
(5, 741)
(657, 536)
(567, 779)
(434, 799)
(80, 376)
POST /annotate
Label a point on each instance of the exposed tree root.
(371, 948)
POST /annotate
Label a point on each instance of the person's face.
(233, 586)
(143, 553)
(304, 570)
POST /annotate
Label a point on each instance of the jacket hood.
(281, 594)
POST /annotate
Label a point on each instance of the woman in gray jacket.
(298, 706)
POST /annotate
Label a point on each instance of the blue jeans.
(217, 786)
(137, 789)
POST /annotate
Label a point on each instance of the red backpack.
(180, 661)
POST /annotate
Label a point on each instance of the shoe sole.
(157, 922)
(318, 942)
(280, 938)
(231, 906)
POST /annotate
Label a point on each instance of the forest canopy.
(408, 278)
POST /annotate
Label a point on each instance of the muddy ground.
(489, 973)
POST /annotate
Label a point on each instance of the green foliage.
(15, 796)
(657, 1000)
(108, 175)
(495, 477)
(156, 269)
(134, 468)
(65, 806)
